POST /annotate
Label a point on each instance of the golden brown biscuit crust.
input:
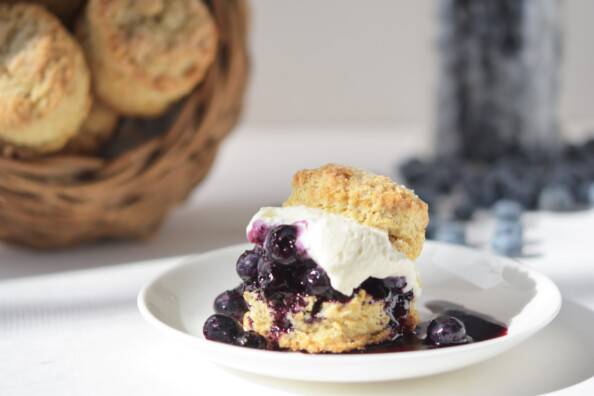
(44, 81)
(337, 327)
(146, 54)
(367, 198)
(94, 131)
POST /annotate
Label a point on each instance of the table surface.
(69, 323)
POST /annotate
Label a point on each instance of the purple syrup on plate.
(478, 327)
(278, 270)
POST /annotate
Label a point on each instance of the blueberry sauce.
(283, 275)
(476, 327)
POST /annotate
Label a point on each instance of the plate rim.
(188, 261)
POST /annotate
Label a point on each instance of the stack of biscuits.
(70, 69)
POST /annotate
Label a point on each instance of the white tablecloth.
(69, 324)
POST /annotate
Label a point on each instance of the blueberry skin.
(506, 209)
(488, 193)
(446, 330)
(395, 283)
(428, 194)
(230, 303)
(317, 282)
(464, 210)
(265, 273)
(251, 339)
(451, 232)
(556, 198)
(590, 194)
(508, 238)
(413, 170)
(376, 288)
(272, 279)
(280, 244)
(247, 265)
(514, 183)
(221, 328)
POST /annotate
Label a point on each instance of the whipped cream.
(349, 252)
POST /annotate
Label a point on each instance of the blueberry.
(221, 328)
(588, 146)
(442, 179)
(564, 174)
(506, 209)
(427, 194)
(317, 282)
(522, 190)
(273, 279)
(464, 210)
(472, 184)
(395, 283)
(413, 170)
(507, 174)
(590, 193)
(280, 244)
(446, 330)
(556, 197)
(247, 265)
(584, 193)
(508, 238)
(488, 191)
(451, 232)
(230, 303)
(375, 288)
(265, 275)
(251, 339)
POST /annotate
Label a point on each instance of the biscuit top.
(159, 40)
(369, 199)
(37, 63)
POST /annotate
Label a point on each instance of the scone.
(144, 55)
(370, 199)
(332, 270)
(44, 80)
(96, 129)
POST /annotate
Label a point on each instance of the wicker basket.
(62, 200)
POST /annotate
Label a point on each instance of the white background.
(359, 62)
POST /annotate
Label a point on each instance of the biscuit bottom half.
(316, 325)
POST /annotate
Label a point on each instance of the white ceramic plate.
(179, 301)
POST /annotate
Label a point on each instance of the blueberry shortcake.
(332, 270)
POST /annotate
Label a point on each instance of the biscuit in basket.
(44, 81)
(95, 130)
(144, 55)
